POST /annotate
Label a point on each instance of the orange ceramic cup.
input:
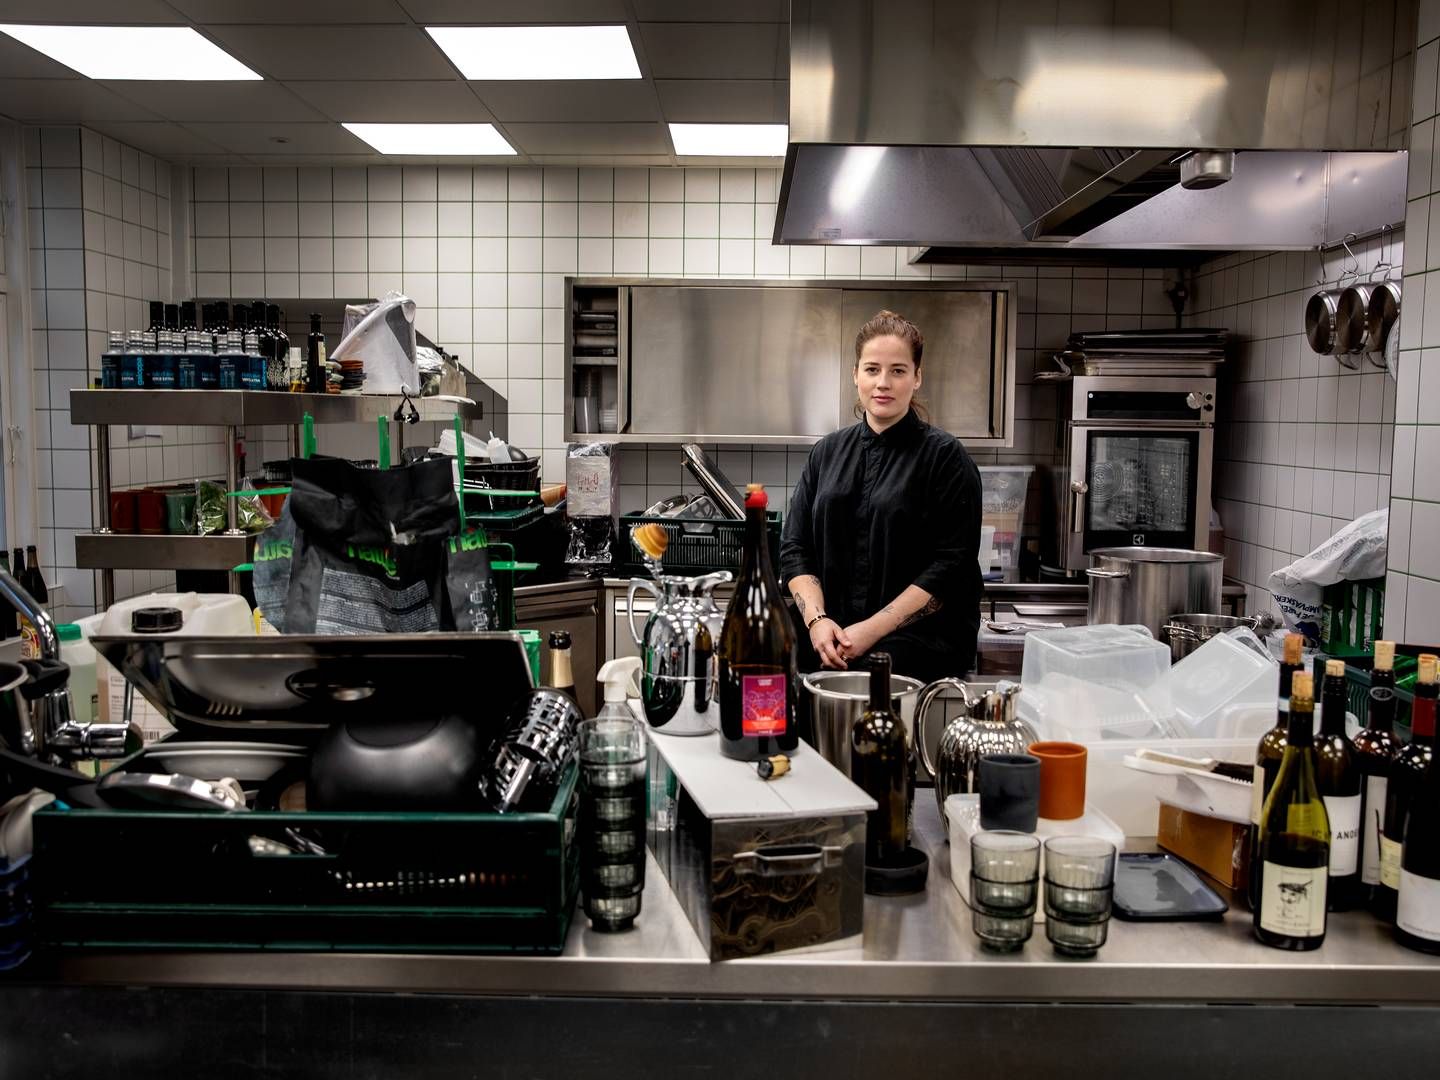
(1062, 779)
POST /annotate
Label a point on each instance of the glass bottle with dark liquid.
(1338, 775)
(1417, 915)
(1376, 746)
(880, 766)
(1407, 779)
(759, 681)
(1268, 756)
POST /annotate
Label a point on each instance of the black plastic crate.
(463, 882)
(698, 545)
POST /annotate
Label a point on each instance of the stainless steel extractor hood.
(1047, 128)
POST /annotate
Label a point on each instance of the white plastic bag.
(382, 336)
(1355, 553)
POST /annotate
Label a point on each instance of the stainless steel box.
(758, 866)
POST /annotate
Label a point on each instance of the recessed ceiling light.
(730, 140)
(133, 52)
(538, 52)
(433, 140)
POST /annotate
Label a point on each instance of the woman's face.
(886, 379)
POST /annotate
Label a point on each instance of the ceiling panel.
(533, 12)
(394, 102)
(65, 101)
(603, 160)
(259, 139)
(713, 50)
(581, 100)
(289, 11)
(88, 11)
(712, 10)
(168, 141)
(724, 101)
(209, 101)
(335, 52)
(19, 61)
(589, 138)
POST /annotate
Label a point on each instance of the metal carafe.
(989, 725)
(677, 651)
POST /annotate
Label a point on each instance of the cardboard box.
(758, 866)
(1218, 847)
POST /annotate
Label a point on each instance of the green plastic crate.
(1350, 617)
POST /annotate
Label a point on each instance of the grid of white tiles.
(1412, 589)
(1304, 446)
(100, 246)
(484, 252)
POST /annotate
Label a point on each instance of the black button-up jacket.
(876, 513)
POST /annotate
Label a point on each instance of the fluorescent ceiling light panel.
(730, 140)
(433, 140)
(133, 52)
(538, 52)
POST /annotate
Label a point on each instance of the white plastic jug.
(203, 615)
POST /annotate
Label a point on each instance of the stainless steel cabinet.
(574, 607)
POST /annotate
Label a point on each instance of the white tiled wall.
(484, 251)
(100, 224)
(1412, 588)
(1303, 445)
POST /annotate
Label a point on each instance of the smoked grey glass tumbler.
(1079, 889)
(612, 821)
(1004, 881)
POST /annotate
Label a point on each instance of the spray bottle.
(621, 679)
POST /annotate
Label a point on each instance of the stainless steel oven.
(1137, 471)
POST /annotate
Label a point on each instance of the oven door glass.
(1142, 487)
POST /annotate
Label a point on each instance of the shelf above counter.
(140, 551)
(239, 408)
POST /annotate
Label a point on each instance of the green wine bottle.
(880, 767)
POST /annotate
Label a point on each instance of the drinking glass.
(1079, 887)
(612, 821)
(1004, 881)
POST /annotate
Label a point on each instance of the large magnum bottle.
(759, 683)
(1407, 777)
(879, 765)
(1267, 759)
(1417, 916)
(1376, 747)
(1339, 778)
(1294, 837)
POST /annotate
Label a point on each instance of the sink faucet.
(45, 715)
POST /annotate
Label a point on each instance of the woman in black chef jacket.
(883, 530)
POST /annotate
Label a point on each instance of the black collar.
(901, 433)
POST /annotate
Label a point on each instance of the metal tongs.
(406, 412)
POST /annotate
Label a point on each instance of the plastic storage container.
(1003, 489)
(1096, 682)
(76, 651)
(1208, 685)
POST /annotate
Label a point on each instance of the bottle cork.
(1384, 655)
(1293, 648)
(1428, 664)
(1335, 667)
(1303, 686)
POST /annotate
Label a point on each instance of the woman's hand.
(831, 643)
(861, 638)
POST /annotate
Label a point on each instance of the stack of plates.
(352, 374)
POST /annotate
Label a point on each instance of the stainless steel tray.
(716, 484)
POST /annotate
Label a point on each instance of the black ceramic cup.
(1009, 792)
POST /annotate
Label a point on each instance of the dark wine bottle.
(1338, 775)
(1268, 756)
(759, 682)
(157, 315)
(316, 374)
(1376, 747)
(9, 618)
(1417, 909)
(1407, 776)
(1294, 837)
(34, 582)
(562, 671)
(880, 767)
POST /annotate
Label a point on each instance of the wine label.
(1257, 795)
(1344, 814)
(1389, 862)
(1375, 787)
(763, 705)
(1418, 910)
(1292, 900)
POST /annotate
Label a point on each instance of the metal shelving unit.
(108, 551)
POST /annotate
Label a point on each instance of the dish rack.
(697, 545)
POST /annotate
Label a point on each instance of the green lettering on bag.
(379, 556)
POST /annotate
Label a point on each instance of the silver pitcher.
(989, 725)
(678, 652)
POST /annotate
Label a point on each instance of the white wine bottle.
(1417, 914)
(1376, 746)
(759, 681)
(1294, 838)
(1338, 775)
(1267, 759)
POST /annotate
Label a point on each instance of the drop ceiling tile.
(394, 102)
(212, 101)
(713, 50)
(19, 61)
(288, 11)
(724, 101)
(66, 101)
(258, 139)
(581, 139)
(603, 159)
(533, 13)
(774, 11)
(612, 100)
(335, 52)
(164, 140)
(121, 12)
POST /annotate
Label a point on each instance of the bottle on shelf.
(277, 369)
(1376, 747)
(157, 315)
(34, 581)
(562, 670)
(759, 682)
(316, 373)
(110, 361)
(252, 377)
(9, 622)
(172, 316)
(29, 639)
(1417, 909)
(162, 370)
(1268, 756)
(1338, 774)
(233, 361)
(879, 766)
(222, 321)
(1407, 776)
(132, 361)
(187, 317)
(1295, 837)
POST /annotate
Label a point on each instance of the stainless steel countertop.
(917, 947)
